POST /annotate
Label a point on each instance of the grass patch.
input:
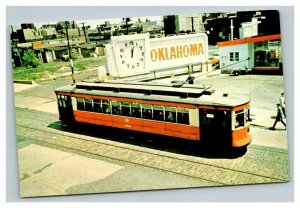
(48, 70)
(20, 139)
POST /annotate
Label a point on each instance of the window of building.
(231, 56)
(234, 56)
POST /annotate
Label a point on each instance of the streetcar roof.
(188, 94)
(143, 86)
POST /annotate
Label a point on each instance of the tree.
(30, 60)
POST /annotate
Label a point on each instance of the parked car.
(214, 61)
(214, 56)
(235, 71)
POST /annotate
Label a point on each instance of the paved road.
(48, 168)
(118, 176)
(50, 153)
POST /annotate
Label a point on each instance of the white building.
(235, 53)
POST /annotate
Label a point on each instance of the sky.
(93, 23)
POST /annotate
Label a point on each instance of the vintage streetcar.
(189, 111)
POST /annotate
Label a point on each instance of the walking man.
(279, 117)
(282, 103)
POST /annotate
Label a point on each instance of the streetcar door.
(65, 108)
(215, 127)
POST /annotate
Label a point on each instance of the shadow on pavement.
(152, 141)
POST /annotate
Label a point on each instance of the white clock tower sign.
(132, 55)
(128, 55)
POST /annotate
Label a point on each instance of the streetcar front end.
(241, 126)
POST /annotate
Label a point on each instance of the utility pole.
(231, 15)
(127, 25)
(231, 29)
(192, 18)
(99, 30)
(83, 27)
(70, 55)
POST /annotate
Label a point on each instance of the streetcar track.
(153, 153)
(249, 147)
(278, 150)
(270, 160)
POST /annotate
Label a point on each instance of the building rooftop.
(249, 40)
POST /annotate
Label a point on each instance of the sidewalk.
(18, 87)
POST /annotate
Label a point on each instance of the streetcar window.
(226, 118)
(183, 116)
(207, 116)
(116, 107)
(97, 105)
(125, 109)
(64, 101)
(147, 111)
(170, 113)
(80, 104)
(136, 110)
(239, 119)
(158, 112)
(106, 106)
(88, 106)
(247, 115)
(59, 101)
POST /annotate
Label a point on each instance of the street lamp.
(69, 50)
(231, 15)
(84, 32)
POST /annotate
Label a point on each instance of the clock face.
(132, 54)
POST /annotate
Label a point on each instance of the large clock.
(131, 54)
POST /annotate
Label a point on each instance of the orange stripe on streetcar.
(136, 124)
(241, 137)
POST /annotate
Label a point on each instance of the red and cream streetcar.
(189, 111)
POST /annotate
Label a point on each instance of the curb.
(24, 81)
